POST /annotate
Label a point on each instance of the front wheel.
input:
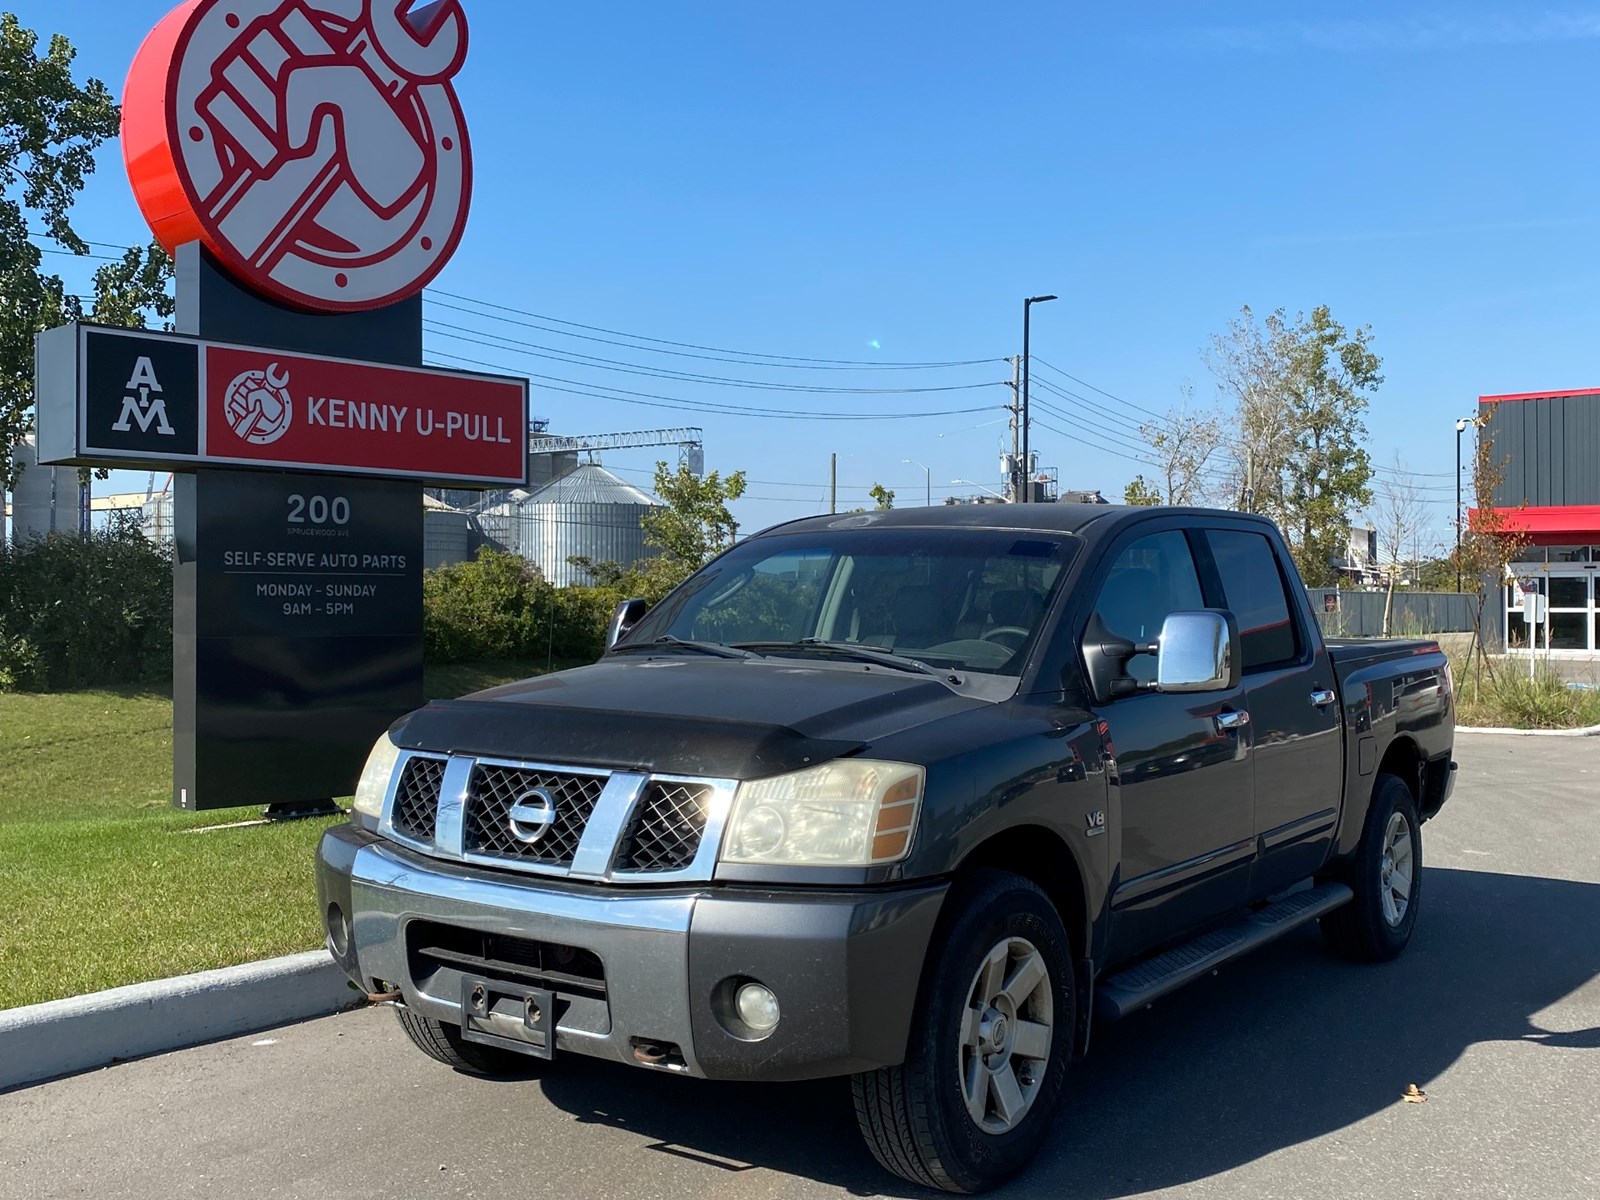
(1386, 878)
(988, 1052)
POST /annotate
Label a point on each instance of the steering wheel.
(1000, 631)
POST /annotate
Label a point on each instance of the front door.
(1571, 624)
(1181, 790)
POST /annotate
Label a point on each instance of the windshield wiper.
(857, 651)
(714, 648)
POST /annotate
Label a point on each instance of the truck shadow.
(1285, 1046)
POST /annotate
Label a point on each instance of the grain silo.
(46, 499)
(446, 534)
(157, 517)
(587, 513)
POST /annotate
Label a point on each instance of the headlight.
(851, 813)
(375, 777)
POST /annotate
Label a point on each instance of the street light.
(1027, 461)
(979, 486)
(1461, 427)
(927, 478)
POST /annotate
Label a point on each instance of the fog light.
(338, 931)
(758, 1007)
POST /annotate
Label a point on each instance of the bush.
(1513, 701)
(499, 607)
(85, 612)
(96, 611)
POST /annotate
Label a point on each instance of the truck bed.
(1352, 654)
(1399, 709)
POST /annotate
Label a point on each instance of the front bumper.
(845, 966)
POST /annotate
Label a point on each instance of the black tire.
(1364, 930)
(914, 1116)
(445, 1044)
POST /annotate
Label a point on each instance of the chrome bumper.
(845, 966)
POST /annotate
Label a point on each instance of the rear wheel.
(988, 1052)
(1386, 877)
(444, 1043)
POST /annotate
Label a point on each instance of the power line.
(843, 487)
(653, 400)
(782, 358)
(679, 348)
(458, 333)
(1122, 423)
(75, 254)
(740, 357)
(1101, 391)
(1381, 473)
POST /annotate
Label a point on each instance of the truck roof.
(1041, 518)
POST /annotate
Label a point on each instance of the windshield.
(968, 599)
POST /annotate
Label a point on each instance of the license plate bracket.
(510, 1016)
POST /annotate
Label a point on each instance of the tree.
(1399, 516)
(135, 288)
(1300, 391)
(882, 496)
(1490, 540)
(1183, 443)
(50, 127)
(1141, 491)
(1437, 574)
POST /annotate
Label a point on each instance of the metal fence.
(1360, 614)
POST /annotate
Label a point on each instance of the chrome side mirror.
(1199, 652)
(624, 619)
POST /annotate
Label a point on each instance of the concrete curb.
(1590, 731)
(62, 1037)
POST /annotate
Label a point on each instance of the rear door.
(1290, 695)
(1181, 783)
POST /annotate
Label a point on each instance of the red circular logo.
(316, 147)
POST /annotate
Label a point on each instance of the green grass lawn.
(102, 883)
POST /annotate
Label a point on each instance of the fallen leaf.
(1414, 1095)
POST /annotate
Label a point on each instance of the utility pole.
(1250, 480)
(1027, 461)
(1015, 407)
(833, 483)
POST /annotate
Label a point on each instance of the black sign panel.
(310, 556)
(141, 394)
(306, 642)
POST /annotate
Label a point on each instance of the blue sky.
(887, 181)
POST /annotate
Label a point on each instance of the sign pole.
(307, 164)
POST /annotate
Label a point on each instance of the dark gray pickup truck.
(907, 796)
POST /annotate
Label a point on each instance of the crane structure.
(689, 441)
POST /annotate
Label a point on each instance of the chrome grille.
(495, 788)
(416, 798)
(667, 825)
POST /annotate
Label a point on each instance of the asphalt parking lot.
(1280, 1078)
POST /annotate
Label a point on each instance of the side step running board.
(1131, 988)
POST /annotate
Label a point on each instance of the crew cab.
(909, 796)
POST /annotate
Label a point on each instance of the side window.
(1254, 589)
(1151, 578)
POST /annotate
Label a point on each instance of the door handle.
(1322, 697)
(1232, 722)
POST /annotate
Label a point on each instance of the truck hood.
(721, 718)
